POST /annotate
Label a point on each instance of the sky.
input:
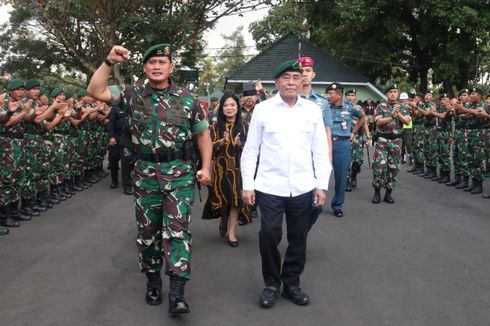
(225, 25)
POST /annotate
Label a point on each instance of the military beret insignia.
(166, 51)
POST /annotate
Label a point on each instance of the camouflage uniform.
(162, 124)
(387, 153)
(418, 144)
(444, 127)
(430, 141)
(33, 144)
(61, 153)
(477, 145)
(461, 149)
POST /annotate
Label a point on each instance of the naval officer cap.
(31, 83)
(291, 65)
(162, 49)
(16, 84)
(335, 87)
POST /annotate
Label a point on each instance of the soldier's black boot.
(348, 188)
(53, 197)
(430, 173)
(356, 168)
(444, 177)
(388, 197)
(153, 295)
(4, 231)
(477, 187)
(435, 177)
(176, 301)
(464, 183)
(82, 183)
(67, 190)
(35, 206)
(377, 196)
(74, 183)
(423, 172)
(415, 169)
(469, 187)
(6, 219)
(24, 208)
(455, 182)
(17, 214)
(58, 194)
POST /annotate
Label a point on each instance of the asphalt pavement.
(424, 260)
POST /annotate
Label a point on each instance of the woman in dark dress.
(224, 198)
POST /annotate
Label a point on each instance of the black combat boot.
(17, 214)
(431, 172)
(4, 231)
(423, 172)
(356, 168)
(455, 182)
(388, 197)
(35, 206)
(53, 196)
(463, 183)
(153, 295)
(477, 187)
(57, 193)
(74, 184)
(470, 186)
(348, 188)
(84, 184)
(24, 208)
(444, 177)
(377, 196)
(66, 189)
(6, 219)
(176, 301)
(435, 177)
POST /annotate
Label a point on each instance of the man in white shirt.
(292, 177)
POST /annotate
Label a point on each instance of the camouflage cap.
(335, 87)
(31, 83)
(162, 49)
(57, 91)
(82, 93)
(16, 84)
(477, 90)
(390, 87)
(291, 65)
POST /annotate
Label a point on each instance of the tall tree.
(231, 57)
(80, 33)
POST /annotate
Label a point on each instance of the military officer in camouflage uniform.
(444, 115)
(418, 130)
(163, 119)
(429, 136)
(12, 116)
(390, 118)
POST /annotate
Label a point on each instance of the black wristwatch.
(108, 62)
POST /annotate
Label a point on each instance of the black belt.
(12, 135)
(335, 138)
(164, 157)
(389, 136)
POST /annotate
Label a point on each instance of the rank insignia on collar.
(166, 50)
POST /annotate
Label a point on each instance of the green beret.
(16, 84)
(68, 94)
(43, 91)
(163, 49)
(429, 92)
(390, 87)
(442, 95)
(351, 91)
(82, 93)
(464, 90)
(31, 83)
(477, 90)
(57, 91)
(291, 65)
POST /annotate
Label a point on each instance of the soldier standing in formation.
(163, 119)
(389, 119)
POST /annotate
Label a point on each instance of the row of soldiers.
(463, 122)
(50, 147)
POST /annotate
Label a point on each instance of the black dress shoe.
(338, 213)
(4, 231)
(128, 191)
(296, 295)
(268, 296)
(113, 185)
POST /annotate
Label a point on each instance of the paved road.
(423, 261)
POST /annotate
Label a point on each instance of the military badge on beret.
(166, 51)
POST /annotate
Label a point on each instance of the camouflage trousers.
(357, 150)
(73, 157)
(477, 153)
(430, 147)
(460, 150)
(163, 205)
(91, 154)
(418, 144)
(44, 156)
(11, 169)
(444, 146)
(60, 158)
(386, 163)
(32, 169)
(82, 151)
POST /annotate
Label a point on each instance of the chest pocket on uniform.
(177, 115)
